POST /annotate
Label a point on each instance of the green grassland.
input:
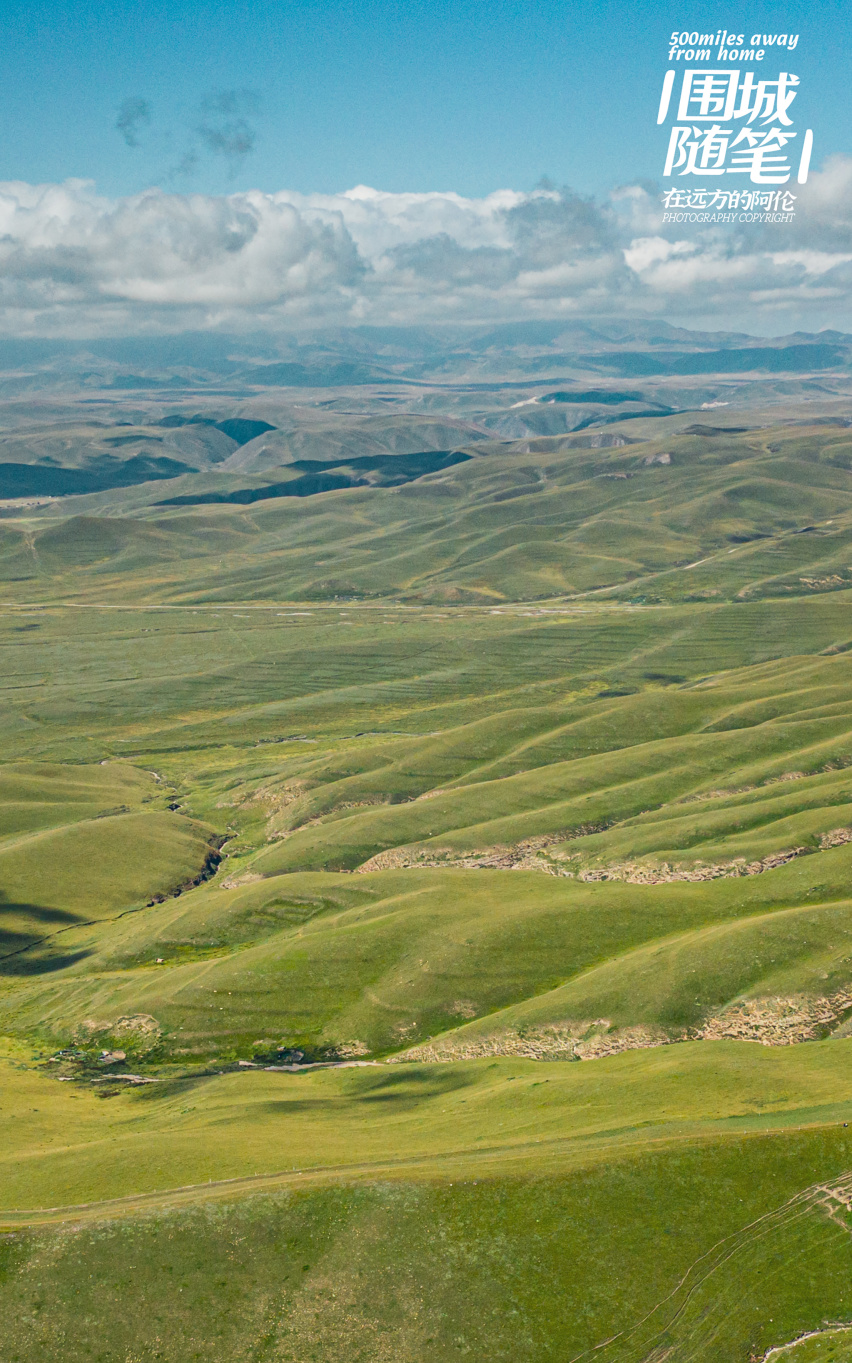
(78, 845)
(207, 1128)
(762, 513)
(397, 958)
(543, 758)
(535, 1250)
(527, 1266)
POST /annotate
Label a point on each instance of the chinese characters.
(731, 123)
(771, 201)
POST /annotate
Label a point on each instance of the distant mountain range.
(413, 355)
(248, 418)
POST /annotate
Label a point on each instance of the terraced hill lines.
(778, 978)
(785, 754)
(383, 961)
(43, 795)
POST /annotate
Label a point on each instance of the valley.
(425, 849)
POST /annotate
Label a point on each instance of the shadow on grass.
(398, 1091)
(407, 1088)
(27, 949)
(177, 1085)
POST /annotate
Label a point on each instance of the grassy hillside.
(78, 845)
(389, 1262)
(555, 892)
(501, 1267)
(397, 1121)
(686, 516)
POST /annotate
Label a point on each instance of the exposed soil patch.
(235, 882)
(274, 798)
(778, 1021)
(775, 1021)
(634, 873)
(714, 795)
(836, 838)
(520, 856)
(554, 1041)
(139, 1032)
(532, 855)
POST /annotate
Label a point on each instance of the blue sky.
(409, 96)
(190, 166)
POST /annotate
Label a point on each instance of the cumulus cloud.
(75, 263)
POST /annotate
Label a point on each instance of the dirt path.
(639, 1343)
(782, 1350)
(572, 1152)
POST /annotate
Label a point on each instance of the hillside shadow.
(398, 1091)
(409, 1088)
(177, 1086)
(32, 952)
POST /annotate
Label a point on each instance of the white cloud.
(643, 252)
(75, 263)
(812, 262)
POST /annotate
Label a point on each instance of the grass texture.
(542, 758)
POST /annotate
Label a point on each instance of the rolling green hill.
(426, 918)
(703, 516)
